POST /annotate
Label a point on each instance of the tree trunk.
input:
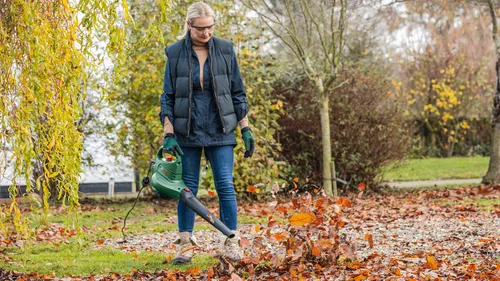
(493, 174)
(325, 140)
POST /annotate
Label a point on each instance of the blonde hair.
(196, 10)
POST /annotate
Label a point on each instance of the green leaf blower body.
(167, 182)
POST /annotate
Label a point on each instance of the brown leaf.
(235, 277)
(244, 242)
(251, 270)
(324, 243)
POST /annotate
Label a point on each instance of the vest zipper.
(190, 90)
(215, 92)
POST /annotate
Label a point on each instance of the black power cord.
(145, 183)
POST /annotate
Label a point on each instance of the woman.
(203, 100)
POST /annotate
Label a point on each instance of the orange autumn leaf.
(324, 243)
(296, 179)
(431, 262)
(369, 238)
(361, 186)
(316, 252)
(211, 193)
(343, 201)
(279, 236)
(251, 189)
(300, 219)
(257, 228)
(211, 272)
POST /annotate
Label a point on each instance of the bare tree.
(314, 31)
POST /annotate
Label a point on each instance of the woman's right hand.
(171, 146)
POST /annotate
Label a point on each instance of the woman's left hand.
(249, 141)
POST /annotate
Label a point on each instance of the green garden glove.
(249, 141)
(171, 146)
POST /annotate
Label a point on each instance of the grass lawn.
(72, 258)
(77, 255)
(483, 204)
(438, 168)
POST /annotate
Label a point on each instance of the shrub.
(367, 127)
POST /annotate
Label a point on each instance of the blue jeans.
(221, 160)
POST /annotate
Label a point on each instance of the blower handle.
(159, 155)
(188, 198)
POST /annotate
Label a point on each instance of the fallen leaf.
(369, 238)
(235, 277)
(343, 201)
(316, 252)
(244, 242)
(300, 219)
(431, 262)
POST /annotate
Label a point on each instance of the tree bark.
(324, 113)
(493, 174)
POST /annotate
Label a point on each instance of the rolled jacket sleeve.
(167, 98)
(238, 92)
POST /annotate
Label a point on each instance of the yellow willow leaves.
(45, 68)
(301, 219)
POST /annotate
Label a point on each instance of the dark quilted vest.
(180, 55)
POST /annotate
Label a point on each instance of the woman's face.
(202, 29)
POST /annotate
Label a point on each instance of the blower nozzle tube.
(192, 202)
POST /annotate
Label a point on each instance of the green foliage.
(137, 84)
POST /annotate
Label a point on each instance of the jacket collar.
(188, 43)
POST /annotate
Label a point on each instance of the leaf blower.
(167, 182)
